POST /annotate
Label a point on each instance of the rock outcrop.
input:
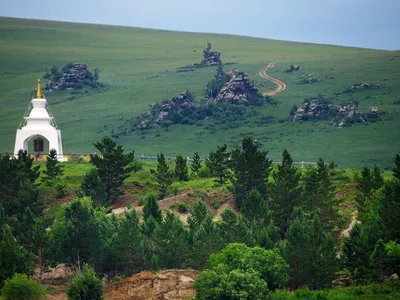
(239, 89)
(60, 275)
(210, 58)
(169, 284)
(316, 108)
(159, 112)
(293, 68)
(74, 77)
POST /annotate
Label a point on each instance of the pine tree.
(318, 196)
(163, 175)
(204, 241)
(128, 243)
(151, 208)
(285, 192)
(197, 215)
(53, 169)
(181, 169)
(93, 187)
(378, 261)
(148, 242)
(396, 169)
(195, 165)
(13, 258)
(377, 178)
(254, 206)
(113, 167)
(234, 229)
(171, 242)
(250, 167)
(300, 253)
(217, 163)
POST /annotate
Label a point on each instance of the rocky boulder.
(239, 89)
(293, 68)
(60, 275)
(316, 108)
(169, 284)
(160, 112)
(211, 58)
(74, 76)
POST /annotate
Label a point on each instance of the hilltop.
(139, 67)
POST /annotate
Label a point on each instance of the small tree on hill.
(163, 174)
(20, 287)
(151, 208)
(250, 167)
(284, 192)
(217, 163)
(53, 168)
(93, 187)
(181, 170)
(113, 167)
(196, 165)
(85, 286)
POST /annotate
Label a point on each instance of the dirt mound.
(169, 284)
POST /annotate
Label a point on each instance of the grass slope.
(139, 68)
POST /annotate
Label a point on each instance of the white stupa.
(39, 123)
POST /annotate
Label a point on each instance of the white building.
(39, 123)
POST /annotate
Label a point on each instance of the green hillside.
(139, 66)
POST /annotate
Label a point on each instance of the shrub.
(85, 286)
(20, 287)
(182, 207)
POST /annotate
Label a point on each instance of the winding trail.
(280, 84)
(346, 232)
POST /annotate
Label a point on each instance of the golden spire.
(39, 92)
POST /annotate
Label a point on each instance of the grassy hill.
(139, 66)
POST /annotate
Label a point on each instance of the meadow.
(138, 67)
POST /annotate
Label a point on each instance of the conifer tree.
(284, 192)
(93, 187)
(13, 258)
(378, 261)
(299, 255)
(396, 169)
(250, 167)
(151, 208)
(128, 243)
(163, 175)
(234, 229)
(181, 169)
(148, 243)
(113, 167)
(53, 168)
(217, 163)
(195, 165)
(171, 242)
(254, 206)
(318, 196)
(197, 215)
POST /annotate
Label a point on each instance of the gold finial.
(39, 92)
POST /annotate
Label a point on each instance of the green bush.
(21, 287)
(85, 286)
(182, 207)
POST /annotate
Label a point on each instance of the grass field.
(138, 67)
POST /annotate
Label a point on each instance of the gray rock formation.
(211, 58)
(238, 90)
(72, 78)
(161, 111)
(293, 68)
(315, 108)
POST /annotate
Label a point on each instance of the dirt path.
(346, 232)
(280, 84)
